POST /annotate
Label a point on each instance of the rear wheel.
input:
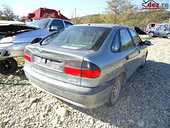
(116, 90)
(8, 66)
(144, 62)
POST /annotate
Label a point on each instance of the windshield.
(80, 37)
(39, 23)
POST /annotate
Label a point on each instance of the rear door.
(130, 51)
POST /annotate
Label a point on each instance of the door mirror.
(147, 42)
(115, 47)
(53, 28)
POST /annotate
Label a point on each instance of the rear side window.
(126, 40)
(58, 23)
(116, 43)
(135, 37)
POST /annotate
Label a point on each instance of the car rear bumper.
(80, 96)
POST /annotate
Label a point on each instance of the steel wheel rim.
(115, 91)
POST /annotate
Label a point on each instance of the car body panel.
(31, 35)
(72, 88)
(80, 96)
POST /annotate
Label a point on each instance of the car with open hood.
(161, 30)
(14, 36)
(86, 65)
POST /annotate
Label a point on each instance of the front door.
(130, 51)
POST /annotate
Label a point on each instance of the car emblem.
(45, 61)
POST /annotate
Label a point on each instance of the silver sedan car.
(86, 65)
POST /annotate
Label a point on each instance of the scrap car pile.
(159, 30)
(14, 36)
(8, 48)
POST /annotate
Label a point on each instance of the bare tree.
(117, 7)
(7, 13)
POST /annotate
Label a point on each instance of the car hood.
(12, 29)
(22, 33)
(29, 36)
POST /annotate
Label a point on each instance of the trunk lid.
(49, 60)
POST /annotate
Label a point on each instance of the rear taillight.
(27, 57)
(85, 69)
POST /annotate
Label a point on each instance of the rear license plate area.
(48, 63)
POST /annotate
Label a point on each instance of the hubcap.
(115, 91)
(116, 88)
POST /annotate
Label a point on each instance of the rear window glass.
(80, 37)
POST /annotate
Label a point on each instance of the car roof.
(103, 25)
(55, 19)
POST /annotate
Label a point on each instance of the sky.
(67, 7)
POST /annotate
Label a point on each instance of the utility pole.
(75, 14)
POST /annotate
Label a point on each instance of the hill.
(140, 18)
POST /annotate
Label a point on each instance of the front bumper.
(80, 96)
(11, 51)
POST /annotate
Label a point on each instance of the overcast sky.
(67, 7)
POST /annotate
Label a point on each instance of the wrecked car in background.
(142, 34)
(163, 30)
(14, 36)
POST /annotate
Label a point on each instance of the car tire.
(116, 90)
(143, 64)
(8, 66)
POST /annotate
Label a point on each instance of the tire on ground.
(8, 66)
(116, 90)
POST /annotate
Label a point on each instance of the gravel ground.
(145, 100)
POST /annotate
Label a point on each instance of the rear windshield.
(80, 37)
